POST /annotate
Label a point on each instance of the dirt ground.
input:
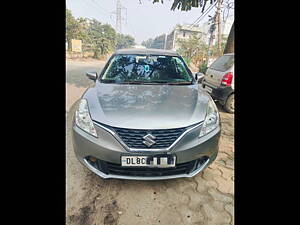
(206, 199)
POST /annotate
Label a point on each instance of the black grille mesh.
(133, 138)
(183, 168)
(117, 169)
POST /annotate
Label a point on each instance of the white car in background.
(219, 81)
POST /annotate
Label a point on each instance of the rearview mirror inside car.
(92, 75)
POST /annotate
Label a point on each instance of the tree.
(230, 41)
(83, 34)
(158, 42)
(109, 33)
(215, 53)
(102, 38)
(193, 49)
(72, 28)
(148, 43)
(186, 5)
(95, 36)
(124, 41)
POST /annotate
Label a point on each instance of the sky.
(143, 21)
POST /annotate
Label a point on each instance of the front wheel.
(229, 104)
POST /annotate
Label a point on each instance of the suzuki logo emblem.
(149, 140)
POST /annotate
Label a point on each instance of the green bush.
(203, 68)
(187, 60)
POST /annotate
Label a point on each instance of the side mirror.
(92, 75)
(199, 77)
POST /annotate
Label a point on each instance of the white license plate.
(208, 89)
(141, 161)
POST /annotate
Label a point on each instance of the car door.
(218, 69)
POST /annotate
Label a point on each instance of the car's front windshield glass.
(141, 69)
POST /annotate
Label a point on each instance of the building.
(186, 31)
(205, 27)
(181, 32)
(159, 42)
(88, 21)
(225, 30)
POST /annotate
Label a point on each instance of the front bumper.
(106, 176)
(108, 149)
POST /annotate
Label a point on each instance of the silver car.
(146, 118)
(219, 81)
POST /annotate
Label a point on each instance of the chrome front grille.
(135, 138)
(142, 139)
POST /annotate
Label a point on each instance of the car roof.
(146, 51)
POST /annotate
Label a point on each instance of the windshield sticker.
(146, 68)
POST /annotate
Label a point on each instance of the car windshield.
(141, 69)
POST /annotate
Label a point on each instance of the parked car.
(146, 118)
(219, 81)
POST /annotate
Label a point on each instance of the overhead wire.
(98, 7)
(103, 9)
(203, 14)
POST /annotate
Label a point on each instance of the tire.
(229, 104)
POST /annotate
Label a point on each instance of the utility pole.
(212, 29)
(218, 19)
(174, 39)
(165, 44)
(119, 18)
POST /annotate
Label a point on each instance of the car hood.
(147, 106)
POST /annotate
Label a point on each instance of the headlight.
(83, 119)
(211, 121)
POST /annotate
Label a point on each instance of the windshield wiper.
(107, 81)
(157, 82)
(144, 82)
(120, 82)
(179, 83)
(130, 82)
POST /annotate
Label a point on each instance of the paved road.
(77, 82)
(206, 199)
